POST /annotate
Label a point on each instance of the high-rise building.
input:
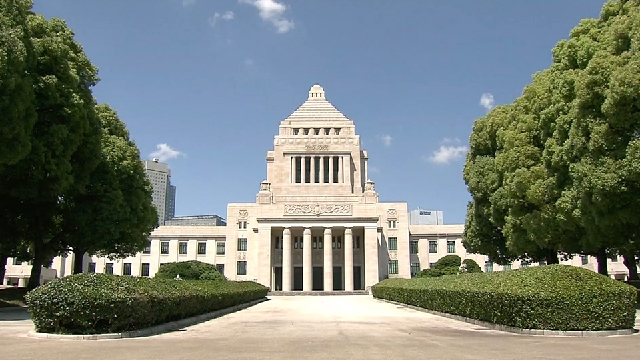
(425, 217)
(164, 194)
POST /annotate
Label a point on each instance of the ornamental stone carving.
(392, 213)
(242, 256)
(316, 147)
(369, 186)
(243, 214)
(393, 255)
(317, 209)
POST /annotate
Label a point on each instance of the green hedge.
(100, 303)
(189, 270)
(555, 297)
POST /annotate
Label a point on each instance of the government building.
(316, 225)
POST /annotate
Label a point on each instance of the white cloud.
(447, 153)
(386, 140)
(165, 152)
(226, 16)
(273, 12)
(186, 3)
(486, 100)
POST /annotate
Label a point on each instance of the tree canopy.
(557, 171)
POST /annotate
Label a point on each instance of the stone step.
(316, 293)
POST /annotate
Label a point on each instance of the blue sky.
(206, 83)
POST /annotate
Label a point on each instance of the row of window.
(317, 242)
(183, 247)
(144, 268)
(307, 131)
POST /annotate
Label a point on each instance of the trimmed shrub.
(471, 266)
(100, 303)
(435, 272)
(448, 261)
(554, 297)
(189, 270)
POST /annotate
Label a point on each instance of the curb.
(516, 330)
(154, 330)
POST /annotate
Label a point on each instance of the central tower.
(317, 155)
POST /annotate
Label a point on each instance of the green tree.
(114, 215)
(65, 142)
(189, 270)
(17, 99)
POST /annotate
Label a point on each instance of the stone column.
(330, 169)
(340, 170)
(321, 169)
(307, 265)
(348, 259)
(287, 274)
(302, 168)
(346, 172)
(328, 260)
(371, 272)
(312, 173)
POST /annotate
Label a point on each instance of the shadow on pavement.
(14, 314)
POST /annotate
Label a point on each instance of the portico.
(307, 255)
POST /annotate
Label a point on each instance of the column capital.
(327, 230)
(287, 231)
(307, 231)
(347, 230)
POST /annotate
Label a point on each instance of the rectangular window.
(393, 243)
(92, 268)
(413, 247)
(336, 168)
(315, 242)
(325, 159)
(393, 267)
(298, 165)
(339, 242)
(316, 170)
(220, 248)
(220, 268)
(524, 264)
(307, 169)
(126, 269)
(295, 242)
(451, 246)
(202, 248)
(433, 246)
(144, 270)
(147, 249)
(584, 259)
(182, 248)
(242, 268)
(393, 224)
(164, 247)
(242, 244)
(278, 242)
(506, 267)
(326, 131)
(356, 242)
(488, 266)
(108, 268)
(415, 269)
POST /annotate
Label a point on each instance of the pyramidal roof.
(317, 108)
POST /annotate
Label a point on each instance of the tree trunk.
(601, 255)
(629, 261)
(39, 257)
(78, 257)
(552, 257)
(3, 263)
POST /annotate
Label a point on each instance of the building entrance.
(278, 278)
(297, 279)
(337, 278)
(357, 278)
(318, 278)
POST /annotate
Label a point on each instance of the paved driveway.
(332, 327)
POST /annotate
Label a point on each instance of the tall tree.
(114, 215)
(17, 101)
(65, 144)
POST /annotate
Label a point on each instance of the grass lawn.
(12, 297)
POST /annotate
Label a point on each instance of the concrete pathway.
(313, 327)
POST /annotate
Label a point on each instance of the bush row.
(189, 270)
(555, 297)
(100, 303)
